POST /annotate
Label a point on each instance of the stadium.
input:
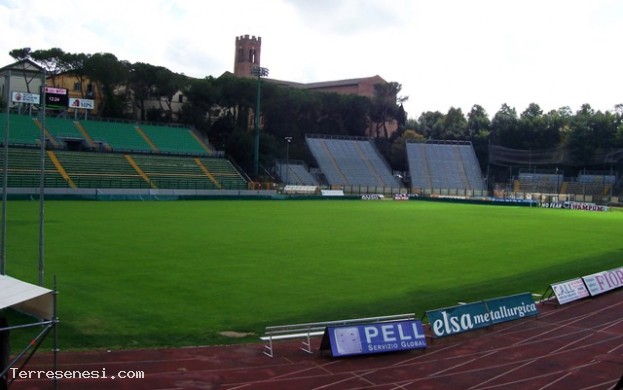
(145, 237)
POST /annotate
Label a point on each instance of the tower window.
(252, 55)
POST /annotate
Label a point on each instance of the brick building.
(248, 55)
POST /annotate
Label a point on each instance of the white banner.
(602, 282)
(87, 104)
(570, 291)
(23, 97)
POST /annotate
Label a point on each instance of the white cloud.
(444, 53)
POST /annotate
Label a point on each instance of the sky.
(444, 53)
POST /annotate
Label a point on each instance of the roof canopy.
(25, 297)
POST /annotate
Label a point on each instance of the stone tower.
(248, 50)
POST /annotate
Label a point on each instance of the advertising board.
(87, 104)
(570, 290)
(376, 338)
(23, 97)
(462, 318)
(602, 282)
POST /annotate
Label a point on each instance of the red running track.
(575, 346)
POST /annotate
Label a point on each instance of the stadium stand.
(444, 165)
(591, 184)
(223, 172)
(23, 130)
(100, 170)
(174, 140)
(540, 182)
(24, 169)
(116, 136)
(64, 131)
(74, 169)
(295, 173)
(174, 172)
(353, 161)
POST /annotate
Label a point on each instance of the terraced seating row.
(444, 166)
(115, 136)
(25, 169)
(175, 172)
(113, 170)
(351, 162)
(100, 170)
(540, 182)
(224, 172)
(174, 140)
(118, 136)
(23, 130)
(295, 173)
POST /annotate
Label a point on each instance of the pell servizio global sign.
(463, 318)
(375, 338)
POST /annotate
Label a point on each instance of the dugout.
(37, 302)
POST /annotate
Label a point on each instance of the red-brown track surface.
(575, 346)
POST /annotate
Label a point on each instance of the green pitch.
(145, 274)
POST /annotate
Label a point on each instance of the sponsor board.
(401, 196)
(372, 197)
(23, 97)
(472, 316)
(602, 282)
(587, 206)
(87, 104)
(574, 206)
(569, 291)
(375, 338)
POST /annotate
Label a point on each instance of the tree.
(75, 63)
(167, 85)
(432, 124)
(504, 128)
(54, 60)
(454, 125)
(385, 106)
(141, 84)
(398, 159)
(108, 73)
(201, 108)
(478, 129)
(531, 127)
(20, 55)
(478, 123)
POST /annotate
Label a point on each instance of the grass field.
(146, 274)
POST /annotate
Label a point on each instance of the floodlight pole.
(5, 172)
(258, 72)
(288, 140)
(557, 185)
(42, 180)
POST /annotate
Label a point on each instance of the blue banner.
(463, 318)
(511, 308)
(376, 338)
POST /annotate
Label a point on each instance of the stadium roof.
(25, 297)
